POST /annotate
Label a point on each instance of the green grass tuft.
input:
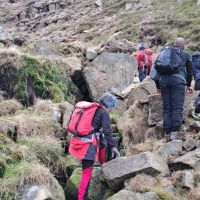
(47, 150)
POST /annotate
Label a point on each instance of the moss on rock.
(48, 80)
(26, 77)
(9, 107)
(114, 116)
(71, 189)
(97, 188)
(71, 163)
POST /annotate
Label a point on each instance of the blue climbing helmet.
(108, 100)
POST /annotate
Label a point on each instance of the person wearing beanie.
(141, 47)
(144, 61)
(92, 147)
(172, 86)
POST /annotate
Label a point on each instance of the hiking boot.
(175, 136)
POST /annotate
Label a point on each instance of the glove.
(115, 153)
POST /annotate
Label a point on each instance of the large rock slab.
(109, 71)
(126, 167)
(171, 148)
(72, 66)
(189, 160)
(141, 92)
(129, 195)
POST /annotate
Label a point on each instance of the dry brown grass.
(43, 105)
(28, 123)
(60, 111)
(10, 57)
(141, 183)
(9, 107)
(151, 145)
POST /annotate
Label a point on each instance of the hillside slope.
(74, 24)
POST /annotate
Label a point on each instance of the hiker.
(173, 70)
(196, 74)
(91, 145)
(144, 60)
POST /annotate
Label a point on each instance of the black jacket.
(102, 120)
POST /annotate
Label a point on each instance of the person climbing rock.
(173, 70)
(144, 60)
(88, 143)
(196, 74)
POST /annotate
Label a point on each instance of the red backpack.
(81, 119)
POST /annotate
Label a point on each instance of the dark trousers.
(173, 100)
(142, 73)
(197, 100)
(197, 85)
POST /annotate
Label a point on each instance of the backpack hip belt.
(84, 139)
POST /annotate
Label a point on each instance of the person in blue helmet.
(92, 146)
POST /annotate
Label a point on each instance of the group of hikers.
(172, 72)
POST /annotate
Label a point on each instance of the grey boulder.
(129, 195)
(109, 71)
(189, 160)
(171, 148)
(118, 170)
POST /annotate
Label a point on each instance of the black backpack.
(169, 61)
(196, 60)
